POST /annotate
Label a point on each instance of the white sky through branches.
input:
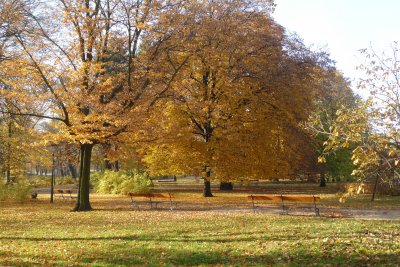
(343, 26)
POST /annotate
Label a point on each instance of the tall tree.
(242, 83)
(89, 70)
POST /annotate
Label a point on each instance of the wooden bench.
(153, 199)
(285, 199)
(64, 193)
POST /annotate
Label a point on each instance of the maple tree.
(242, 83)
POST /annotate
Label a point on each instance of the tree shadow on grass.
(143, 256)
(227, 238)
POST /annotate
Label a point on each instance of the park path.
(331, 212)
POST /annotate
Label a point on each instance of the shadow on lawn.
(221, 238)
(186, 237)
(133, 256)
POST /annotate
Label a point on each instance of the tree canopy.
(211, 88)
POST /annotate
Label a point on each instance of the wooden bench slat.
(138, 195)
(161, 195)
(301, 199)
(266, 197)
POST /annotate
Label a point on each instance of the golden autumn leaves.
(214, 88)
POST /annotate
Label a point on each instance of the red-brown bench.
(65, 193)
(285, 200)
(152, 199)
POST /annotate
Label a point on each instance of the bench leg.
(315, 206)
(254, 206)
(317, 212)
(135, 205)
(171, 205)
(285, 210)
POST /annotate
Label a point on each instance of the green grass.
(36, 233)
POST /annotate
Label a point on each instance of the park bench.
(285, 200)
(152, 199)
(64, 193)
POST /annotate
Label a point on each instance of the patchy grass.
(37, 233)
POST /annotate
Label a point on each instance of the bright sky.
(344, 26)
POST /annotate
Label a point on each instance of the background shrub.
(121, 182)
(19, 191)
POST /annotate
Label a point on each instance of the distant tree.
(372, 125)
(335, 94)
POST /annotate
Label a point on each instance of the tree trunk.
(108, 165)
(72, 170)
(83, 203)
(375, 187)
(116, 166)
(322, 182)
(8, 170)
(226, 186)
(207, 189)
(207, 184)
(62, 173)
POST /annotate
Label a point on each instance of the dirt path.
(375, 214)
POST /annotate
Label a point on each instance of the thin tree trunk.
(116, 166)
(322, 182)
(62, 173)
(83, 202)
(375, 187)
(8, 170)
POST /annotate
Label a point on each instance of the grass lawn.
(36, 233)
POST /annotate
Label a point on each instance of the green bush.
(19, 191)
(111, 182)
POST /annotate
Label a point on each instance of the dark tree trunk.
(322, 182)
(83, 203)
(108, 165)
(226, 186)
(207, 189)
(72, 170)
(375, 187)
(207, 184)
